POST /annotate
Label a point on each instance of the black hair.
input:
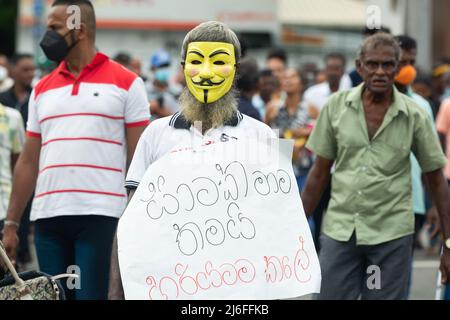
(266, 73)
(336, 55)
(87, 16)
(303, 79)
(371, 31)
(123, 58)
(277, 54)
(15, 58)
(406, 42)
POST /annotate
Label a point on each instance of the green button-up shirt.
(371, 184)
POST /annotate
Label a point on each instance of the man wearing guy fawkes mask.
(209, 114)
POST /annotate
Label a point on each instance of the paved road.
(424, 280)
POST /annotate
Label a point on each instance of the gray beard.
(210, 115)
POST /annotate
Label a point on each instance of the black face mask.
(55, 46)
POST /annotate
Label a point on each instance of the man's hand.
(317, 181)
(271, 112)
(10, 242)
(445, 266)
(159, 110)
(433, 222)
(313, 111)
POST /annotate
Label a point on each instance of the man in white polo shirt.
(210, 54)
(337, 80)
(85, 119)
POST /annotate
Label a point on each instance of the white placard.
(214, 224)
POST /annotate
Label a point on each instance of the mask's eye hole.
(219, 63)
(195, 62)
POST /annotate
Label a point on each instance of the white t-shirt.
(317, 95)
(82, 123)
(173, 133)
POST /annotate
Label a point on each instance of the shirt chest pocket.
(101, 100)
(390, 158)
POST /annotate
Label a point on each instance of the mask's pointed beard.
(205, 96)
(213, 114)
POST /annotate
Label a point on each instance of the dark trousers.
(319, 213)
(81, 241)
(348, 269)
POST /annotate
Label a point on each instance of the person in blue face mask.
(162, 101)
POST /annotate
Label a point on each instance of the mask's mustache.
(207, 82)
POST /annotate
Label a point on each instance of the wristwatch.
(447, 243)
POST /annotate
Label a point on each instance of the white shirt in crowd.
(317, 95)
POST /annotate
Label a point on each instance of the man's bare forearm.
(316, 183)
(24, 181)
(301, 132)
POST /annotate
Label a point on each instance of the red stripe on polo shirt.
(79, 191)
(52, 81)
(81, 166)
(137, 124)
(82, 138)
(81, 114)
(33, 134)
(75, 88)
(111, 73)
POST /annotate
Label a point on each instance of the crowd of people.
(70, 163)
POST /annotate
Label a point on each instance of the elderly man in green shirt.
(369, 133)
